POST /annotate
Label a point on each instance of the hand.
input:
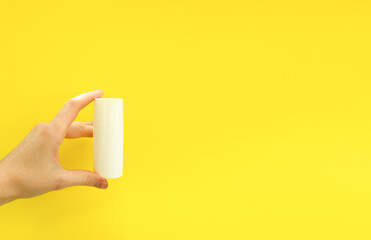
(33, 167)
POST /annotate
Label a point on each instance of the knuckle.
(60, 182)
(41, 126)
(44, 131)
(72, 102)
(89, 180)
(82, 130)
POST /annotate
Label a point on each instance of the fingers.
(91, 123)
(80, 129)
(71, 109)
(84, 178)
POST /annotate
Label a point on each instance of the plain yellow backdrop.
(243, 119)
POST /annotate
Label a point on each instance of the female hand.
(33, 167)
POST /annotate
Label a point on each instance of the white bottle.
(108, 137)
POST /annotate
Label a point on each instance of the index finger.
(71, 109)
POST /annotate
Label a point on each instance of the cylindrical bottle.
(108, 137)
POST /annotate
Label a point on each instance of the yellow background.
(243, 119)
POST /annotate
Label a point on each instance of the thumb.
(84, 178)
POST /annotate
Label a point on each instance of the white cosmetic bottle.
(108, 137)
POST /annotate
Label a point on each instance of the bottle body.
(108, 137)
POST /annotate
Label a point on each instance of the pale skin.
(32, 168)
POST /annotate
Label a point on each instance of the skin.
(33, 167)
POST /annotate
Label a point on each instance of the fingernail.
(101, 184)
(104, 184)
(99, 91)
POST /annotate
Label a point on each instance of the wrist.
(8, 192)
